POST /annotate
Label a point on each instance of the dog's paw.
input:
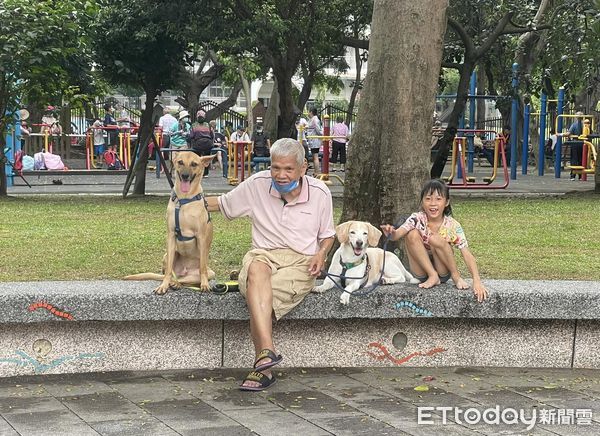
(161, 290)
(175, 285)
(345, 298)
(318, 289)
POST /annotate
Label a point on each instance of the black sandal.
(264, 354)
(263, 380)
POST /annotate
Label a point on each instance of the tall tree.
(135, 46)
(285, 33)
(386, 165)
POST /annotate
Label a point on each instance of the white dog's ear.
(374, 235)
(342, 231)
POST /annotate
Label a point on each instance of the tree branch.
(491, 39)
(225, 104)
(464, 37)
(453, 65)
(356, 42)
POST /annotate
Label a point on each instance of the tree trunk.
(357, 85)
(138, 168)
(386, 169)
(531, 44)
(246, 88)
(286, 118)
(272, 114)
(445, 143)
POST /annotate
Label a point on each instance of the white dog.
(361, 264)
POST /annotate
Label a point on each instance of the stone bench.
(66, 327)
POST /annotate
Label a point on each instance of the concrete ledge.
(134, 301)
(68, 327)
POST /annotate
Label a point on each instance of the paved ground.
(306, 402)
(215, 183)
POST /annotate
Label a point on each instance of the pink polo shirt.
(299, 225)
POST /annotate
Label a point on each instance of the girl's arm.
(480, 290)
(396, 233)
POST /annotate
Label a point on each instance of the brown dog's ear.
(374, 235)
(342, 231)
(206, 160)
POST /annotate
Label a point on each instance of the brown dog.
(189, 229)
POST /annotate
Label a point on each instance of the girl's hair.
(436, 186)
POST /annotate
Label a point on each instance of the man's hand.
(316, 264)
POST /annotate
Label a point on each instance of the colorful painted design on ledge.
(386, 355)
(412, 306)
(39, 367)
(50, 308)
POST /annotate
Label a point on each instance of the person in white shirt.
(239, 135)
(167, 123)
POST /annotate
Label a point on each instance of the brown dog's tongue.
(185, 186)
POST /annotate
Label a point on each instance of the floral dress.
(450, 230)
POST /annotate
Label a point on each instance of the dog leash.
(217, 288)
(361, 291)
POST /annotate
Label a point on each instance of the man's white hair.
(288, 147)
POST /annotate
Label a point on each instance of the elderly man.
(292, 232)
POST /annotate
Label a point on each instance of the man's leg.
(259, 298)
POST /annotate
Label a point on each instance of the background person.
(575, 130)
(292, 232)
(261, 143)
(201, 137)
(314, 129)
(340, 129)
(220, 141)
(167, 122)
(99, 143)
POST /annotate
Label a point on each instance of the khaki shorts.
(290, 279)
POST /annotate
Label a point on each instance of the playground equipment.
(588, 162)
(124, 146)
(238, 152)
(459, 159)
(326, 143)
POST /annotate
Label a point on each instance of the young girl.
(430, 235)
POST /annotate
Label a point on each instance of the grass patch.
(81, 237)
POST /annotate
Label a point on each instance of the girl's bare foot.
(430, 282)
(460, 283)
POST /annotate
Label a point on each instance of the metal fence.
(334, 111)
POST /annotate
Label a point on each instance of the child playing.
(430, 235)
(99, 147)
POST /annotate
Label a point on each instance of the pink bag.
(53, 161)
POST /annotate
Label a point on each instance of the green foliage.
(138, 43)
(44, 52)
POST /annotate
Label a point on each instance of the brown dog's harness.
(349, 265)
(182, 202)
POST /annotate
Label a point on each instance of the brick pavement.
(352, 401)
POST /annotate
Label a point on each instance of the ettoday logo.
(497, 415)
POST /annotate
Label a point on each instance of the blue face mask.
(285, 189)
